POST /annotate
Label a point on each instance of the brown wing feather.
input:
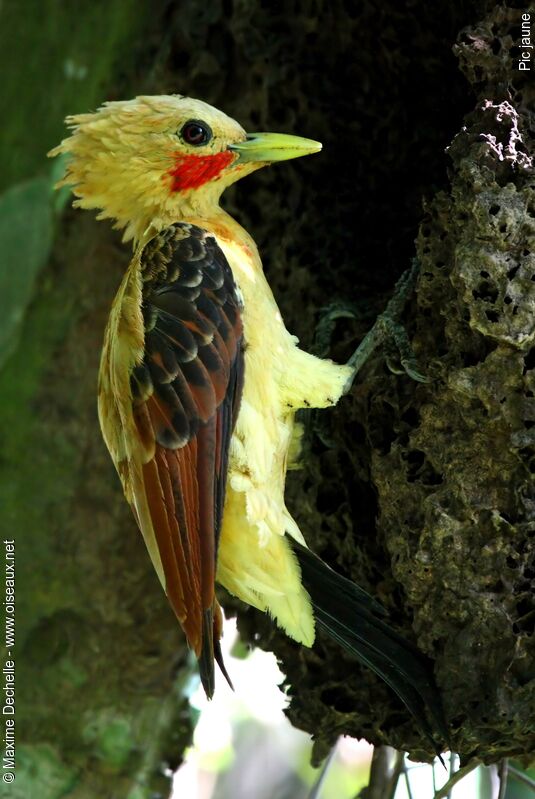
(185, 398)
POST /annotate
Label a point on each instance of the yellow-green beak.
(268, 147)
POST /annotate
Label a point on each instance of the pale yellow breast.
(256, 562)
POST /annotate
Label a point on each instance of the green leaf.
(26, 232)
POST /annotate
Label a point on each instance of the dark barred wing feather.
(186, 395)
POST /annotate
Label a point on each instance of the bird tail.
(211, 649)
(352, 618)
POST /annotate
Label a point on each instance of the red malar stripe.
(192, 171)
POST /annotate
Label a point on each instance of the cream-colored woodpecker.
(200, 382)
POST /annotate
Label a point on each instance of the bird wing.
(185, 396)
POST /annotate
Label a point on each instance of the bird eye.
(196, 133)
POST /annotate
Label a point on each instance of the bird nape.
(200, 382)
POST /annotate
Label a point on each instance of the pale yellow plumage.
(255, 561)
(118, 158)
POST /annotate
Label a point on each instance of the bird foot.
(390, 333)
(387, 332)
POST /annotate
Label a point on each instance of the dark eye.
(196, 133)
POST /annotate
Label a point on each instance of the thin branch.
(503, 769)
(453, 769)
(522, 777)
(492, 773)
(405, 771)
(443, 792)
(399, 766)
(384, 773)
(318, 785)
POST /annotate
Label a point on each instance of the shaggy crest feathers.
(123, 161)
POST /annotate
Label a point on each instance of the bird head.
(155, 160)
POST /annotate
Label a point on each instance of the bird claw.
(325, 327)
(399, 355)
(391, 334)
(387, 331)
(318, 424)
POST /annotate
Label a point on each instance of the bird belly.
(256, 562)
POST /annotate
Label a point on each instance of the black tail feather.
(206, 658)
(350, 616)
(221, 663)
(210, 651)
